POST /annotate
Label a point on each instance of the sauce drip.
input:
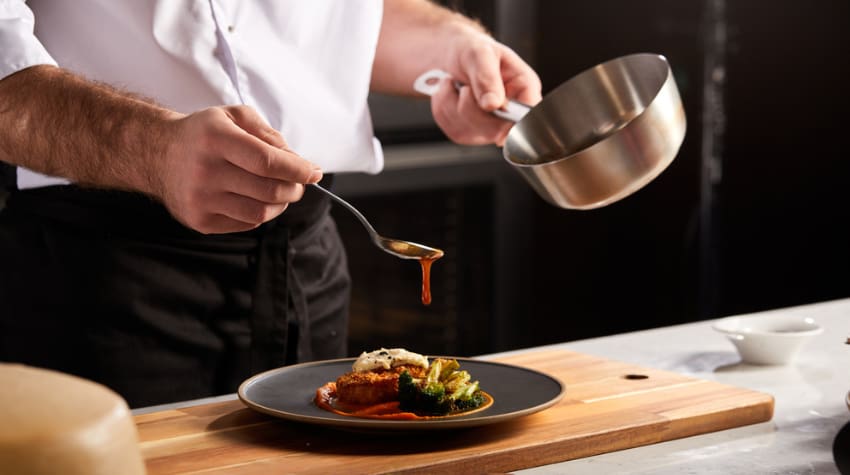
(426, 262)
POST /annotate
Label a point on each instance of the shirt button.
(230, 28)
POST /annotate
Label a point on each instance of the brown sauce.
(426, 262)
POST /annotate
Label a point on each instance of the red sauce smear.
(327, 400)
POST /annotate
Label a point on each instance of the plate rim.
(396, 425)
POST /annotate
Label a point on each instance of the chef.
(157, 235)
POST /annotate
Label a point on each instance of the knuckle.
(216, 114)
(258, 213)
(478, 51)
(271, 136)
(275, 192)
(237, 111)
(245, 110)
(209, 130)
(527, 83)
(254, 214)
(268, 213)
(266, 160)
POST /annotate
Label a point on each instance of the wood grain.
(602, 411)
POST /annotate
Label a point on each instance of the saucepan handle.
(428, 82)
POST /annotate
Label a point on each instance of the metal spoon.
(396, 247)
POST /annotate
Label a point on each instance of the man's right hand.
(219, 170)
(227, 170)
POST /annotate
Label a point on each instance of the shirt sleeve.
(19, 48)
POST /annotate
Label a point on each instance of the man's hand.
(418, 35)
(218, 170)
(227, 170)
(492, 73)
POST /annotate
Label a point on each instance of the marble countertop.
(809, 394)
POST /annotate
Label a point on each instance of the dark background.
(752, 215)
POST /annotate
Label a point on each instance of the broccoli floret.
(464, 390)
(433, 400)
(422, 397)
(473, 401)
(443, 390)
(407, 391)
(458, 380)
(467, 397)
(448, 368)
(434, 372)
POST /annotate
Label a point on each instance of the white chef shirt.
(305, 66)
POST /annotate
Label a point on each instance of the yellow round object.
(57, 423)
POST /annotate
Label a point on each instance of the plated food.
(289, 393)
(401, 385)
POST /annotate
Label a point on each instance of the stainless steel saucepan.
(599, 136)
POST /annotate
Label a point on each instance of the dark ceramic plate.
(288, 393)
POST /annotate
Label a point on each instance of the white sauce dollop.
(388, 358)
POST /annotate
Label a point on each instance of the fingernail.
(490, 101)
(316, 176)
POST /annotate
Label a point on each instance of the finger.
(457, 112)
(483, 71)
(458, 115)
(485, 127)
(250, 121)
(258, 157)
(523, 89)
(220, 224)
(444, 108)
(267, 190)
(521, 81)
(447, 94)
(243, 209)
(207, 222)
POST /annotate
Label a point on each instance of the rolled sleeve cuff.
(19, 48)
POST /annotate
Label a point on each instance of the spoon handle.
(372, 233)
(429, 82)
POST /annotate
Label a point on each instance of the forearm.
(59, 124)
(416, 35)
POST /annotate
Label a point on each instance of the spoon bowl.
(396, 247)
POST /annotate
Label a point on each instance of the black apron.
(108, 286)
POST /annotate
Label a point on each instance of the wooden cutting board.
(609, 405)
